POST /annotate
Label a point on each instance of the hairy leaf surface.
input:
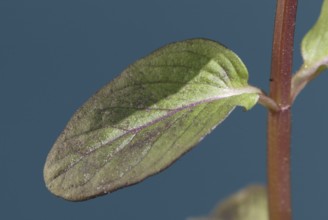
(141, 122)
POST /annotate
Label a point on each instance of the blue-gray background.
(56, 54)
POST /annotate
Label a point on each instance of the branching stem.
(269, 103)
(264, 100)
(304, 75)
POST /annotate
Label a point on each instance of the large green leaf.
(146, 118)
(315, 42)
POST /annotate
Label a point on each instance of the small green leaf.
(314, 44)
(146, 118)
(314, 52)
(250, 203)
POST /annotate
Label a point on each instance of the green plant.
(164, 104)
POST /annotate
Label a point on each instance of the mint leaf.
(250, 203)
(314, 44)
(314, 51)
(145, 119)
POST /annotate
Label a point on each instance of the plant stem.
(268, 103)
(279, 122)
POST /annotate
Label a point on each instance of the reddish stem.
(279, 122)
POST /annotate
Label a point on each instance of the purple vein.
(166, 127)
(233, 92)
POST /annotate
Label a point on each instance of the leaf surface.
(141, 122)
(314, 51)
(314, 44)
(250, 203)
